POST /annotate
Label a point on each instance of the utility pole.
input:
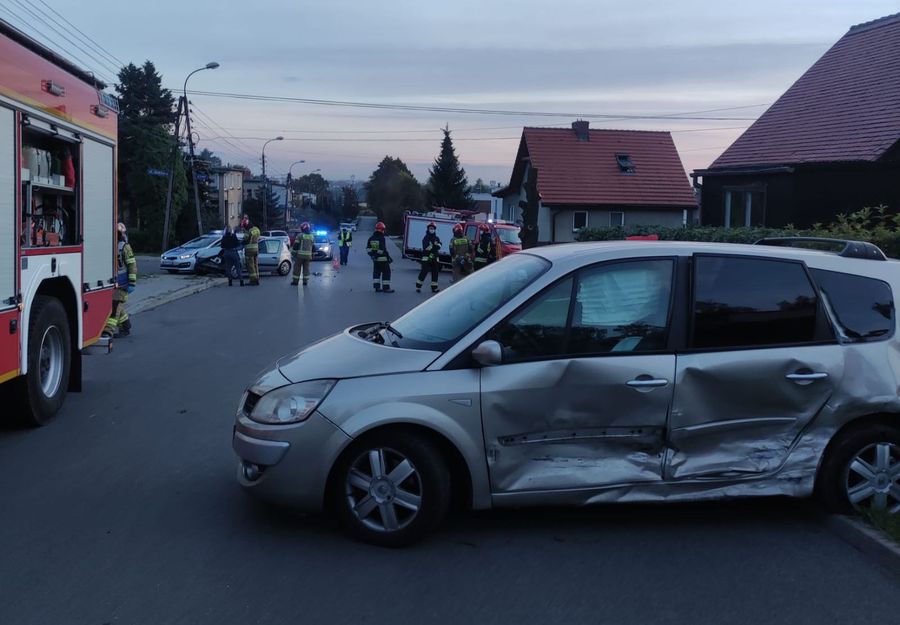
(265, 193)
(175, 150)
(187, 118)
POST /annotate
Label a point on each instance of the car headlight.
(291, 404)
(186, 256)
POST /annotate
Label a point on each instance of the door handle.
(806, 377)
(647, 382)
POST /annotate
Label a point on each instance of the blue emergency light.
(322, 232)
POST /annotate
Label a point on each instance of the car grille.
(170, 258)
(250, 402)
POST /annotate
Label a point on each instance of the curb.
(867, 539)
(164, 298)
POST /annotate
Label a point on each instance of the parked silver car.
(606, 372)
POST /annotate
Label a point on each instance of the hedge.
(875, 225)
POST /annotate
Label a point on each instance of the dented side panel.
(737, 413)
(575, 423)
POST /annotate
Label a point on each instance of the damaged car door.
(581, 394)
(762, 362)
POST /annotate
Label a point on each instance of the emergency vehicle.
(57, 220)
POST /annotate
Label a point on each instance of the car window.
(619, 307)
(863, 308)
(509, 235)
(622, 307)
(470, 232)
(539, 329)
(751, 302)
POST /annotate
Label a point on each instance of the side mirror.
(488, 353)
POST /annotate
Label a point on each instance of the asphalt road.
(125, 510)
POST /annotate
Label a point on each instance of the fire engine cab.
(57, 221)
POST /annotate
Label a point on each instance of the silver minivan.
(587, 373)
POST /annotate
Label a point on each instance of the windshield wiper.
(375, 328)
(384, 325)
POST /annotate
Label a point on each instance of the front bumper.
(288, 464)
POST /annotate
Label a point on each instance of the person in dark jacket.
(230, 247)
(485, 250)
(377, 250)
(431, 245)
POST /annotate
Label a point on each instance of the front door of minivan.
(581, 397)
(762, 364)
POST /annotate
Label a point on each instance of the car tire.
(855, 474)
(405, 502)
(284, 268)
(43, 388)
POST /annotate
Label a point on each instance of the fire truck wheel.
(49, 359)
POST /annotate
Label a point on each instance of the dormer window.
(624, 163)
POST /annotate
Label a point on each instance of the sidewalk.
(156, 290)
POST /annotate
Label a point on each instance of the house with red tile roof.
(829, 145)
(591, 178)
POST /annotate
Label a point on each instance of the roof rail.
(848, 249)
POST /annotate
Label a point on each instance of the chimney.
(581, 130)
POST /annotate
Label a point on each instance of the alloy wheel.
(384, 490)
(873, 478)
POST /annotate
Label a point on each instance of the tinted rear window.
(863, 307)
(751, 302)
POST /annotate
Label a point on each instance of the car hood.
(345, 355)
(175, 251)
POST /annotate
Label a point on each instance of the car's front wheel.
(862, 471)
(391, 489)
(284, 268)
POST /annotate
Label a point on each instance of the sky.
(562, 60)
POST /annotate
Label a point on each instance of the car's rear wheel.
(391, 489)
(862, 471)
(284, 268)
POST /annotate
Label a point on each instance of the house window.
(579, 220)
(616, 220)
(624, 163)
(744, 207)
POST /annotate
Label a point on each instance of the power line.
(85, 37)
(460, 110)
(204, 115)
(40, 19)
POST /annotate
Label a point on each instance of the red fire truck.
(57, 220)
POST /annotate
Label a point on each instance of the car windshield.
(509, 235)
(445, 318)
(200, 242)
(321, 239)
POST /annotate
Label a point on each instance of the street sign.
(202, 177)
(157, 172)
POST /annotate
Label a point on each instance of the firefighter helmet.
(431, 224)
(121, 227)
(304, 227)
(484, 228)
(379, 227)
(458, 229)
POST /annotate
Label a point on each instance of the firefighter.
(381, 260)
(431, 245)
(460, 254)
(345, 238)
(302, 253)
(251, 250)
(118, 323)
(485, 250)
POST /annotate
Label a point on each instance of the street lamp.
(187, 121)
(265, 182)
(287, 194)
